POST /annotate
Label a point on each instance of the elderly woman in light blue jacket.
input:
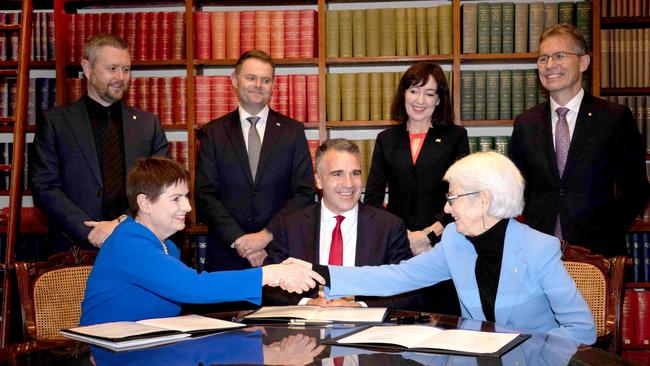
(503, 271)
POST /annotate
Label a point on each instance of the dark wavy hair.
(418, 75)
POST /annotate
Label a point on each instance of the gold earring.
(483, 217)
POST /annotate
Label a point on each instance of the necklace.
(162, 242)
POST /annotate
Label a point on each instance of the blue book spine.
(637, 257)
(646, 257)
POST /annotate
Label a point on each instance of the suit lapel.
(365, 236)
(546, 134)
(513, 272)
(131, 132)
(311, 234)
(272, 135)
(584, 124)
(233, 129)
(77, 114)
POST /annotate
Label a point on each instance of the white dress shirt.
(246, 125)
(572, 115)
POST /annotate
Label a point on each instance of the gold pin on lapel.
(589, 114)
(277, 124)
(134, 117)
(438, 140)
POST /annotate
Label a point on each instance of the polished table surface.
(278, 344)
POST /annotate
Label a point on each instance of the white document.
(310, 312)
(420, 336)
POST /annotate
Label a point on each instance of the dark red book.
(181, 151)
(130, 33)
(80, 36)
(201, 100)
(74, 89)
(164, 51)
(299, 97)
(247, 29)
(628, 319)
(71, 38)
(154, 35)
(142, 94)
(220, 89)
(263, 30)
(3, 39)
(95, 27)
(153, 86)
(51, 44)
(218, 35)
(179, 88)
(313, 146)
(178, 35)
(142, 36)
(232, 35)
(119, 25)
(202, 26)
(14, 37)
(166, 99)
(282, 92)
(36, 52)
(292, 33)
(643, 318)
(106, 23)
(130, 97)
(277, 34)
(312, 98)
(308, 37)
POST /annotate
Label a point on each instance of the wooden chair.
(601, 282)
(51, 292)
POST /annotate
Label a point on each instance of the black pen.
(411, 319)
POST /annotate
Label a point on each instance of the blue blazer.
(535, 291)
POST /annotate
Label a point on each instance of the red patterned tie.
(336, 249)
(338, 360)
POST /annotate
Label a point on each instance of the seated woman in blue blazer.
(503, 271)
(138, 273)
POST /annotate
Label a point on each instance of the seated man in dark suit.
(340, 230)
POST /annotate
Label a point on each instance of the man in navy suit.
(583, 158)
(83, 151)
(253, 163)
(368, 235)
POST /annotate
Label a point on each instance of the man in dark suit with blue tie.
(83, 151)
(252, 164)
(583, 158)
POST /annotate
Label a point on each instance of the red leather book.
(308, 38)
(202, 26)
(106, 23)
(282, 105)
(201, 100)
(36, 52)
(182, 155)
(3, 39)
(92, 24)
(178, 35)
(119, 25)
(277, 34)
(313, 146)
(232, 35)
(643, 318)
(179, 89)
(142, 36)
(218, 35)
(247, 29)
(154, 35)
(220, 90)
(80, 37)
(153, 86)
(71, 38)
(263, 30)
(165, 102)
(51, 44)
(628, 319)
(130, 32)
(130, 97)
(312, 98)
(299, 93)
(165, 30)
(292, 33)
(142, 98)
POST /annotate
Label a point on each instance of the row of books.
(500, 144)
(6, 153)
(157, 36)
(624, 8)
(222, 35)
(498, 94)
(638, 245)
(640, 106)
(42, 37)
(635, 321)
(178, 150)
(41, 97)
(516, 27)
(625, 58)
(293, 95)
(389, 32)
(360, 96)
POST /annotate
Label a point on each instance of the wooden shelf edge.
(196, 229)
(624, 22)
(624, 91)
(491, 57)
(638, 347)
(637, 285)
(348, 124)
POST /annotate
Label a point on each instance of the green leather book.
(496, 24)
(473, 144)
(566, 13)
(583, 20)
(550, 14)
(502, 145)
(345, 33)
(535, 25)
(521, 27)
(348, 97)
(483, 28)
(485, 143)
(333, 97)
(542, 94)
(467, 95)
(359, 33)
(387, 32)
(518, 92)
(492, 95)
(332, 33)
(508, 27)
(444, 29)
(387, 94)
(505, 94)
(363, 96)
(432, 30)
(372, 32)
(480, 84)
(411, 32)
(400, 31)
(470, 20)
(375, 96)
(421, 31)
(530, 88)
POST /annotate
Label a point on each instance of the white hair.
(494, 173)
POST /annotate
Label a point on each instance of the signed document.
(318, 313)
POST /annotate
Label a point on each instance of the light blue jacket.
(535, 292)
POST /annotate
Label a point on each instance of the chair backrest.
(51, 293)
(601, 283)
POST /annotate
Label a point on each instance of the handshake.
(292, 275)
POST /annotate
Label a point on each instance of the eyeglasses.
(557, 57)
(452, 197)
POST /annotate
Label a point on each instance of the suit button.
(561, 193)
(250, 218)
(99, 192)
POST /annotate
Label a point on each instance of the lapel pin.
(589, 114)
(134, 117)
(438, 140)
(277, 124)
